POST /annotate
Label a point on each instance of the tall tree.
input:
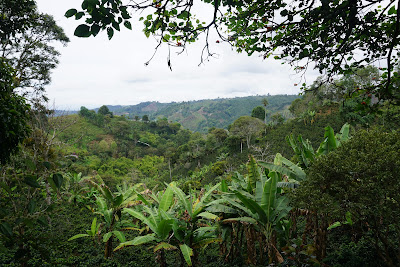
(265, 104)
(258, 112)
(30, 47)
(247, 127)
(13, 113)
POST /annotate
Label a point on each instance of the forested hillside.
(203, 114)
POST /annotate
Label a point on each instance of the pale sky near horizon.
(95, 71)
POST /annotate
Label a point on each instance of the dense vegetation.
(97, 188)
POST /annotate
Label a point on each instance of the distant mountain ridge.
(200, 115)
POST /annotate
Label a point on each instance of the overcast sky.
(95, 71)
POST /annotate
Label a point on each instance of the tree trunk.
(160, 258)
(108, 248)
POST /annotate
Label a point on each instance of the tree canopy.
(31, 53)
(335, 36)
(27, 57)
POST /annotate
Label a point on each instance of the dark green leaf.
(58, 180)
(30, 164)
(47, 165)
(79, 15)
(82, 31)
(128, 25)
(6, 229)
(31, 181)
(31, 206)
(110, 33)
(70, 12)
(95, 29)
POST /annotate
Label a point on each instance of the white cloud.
(96, 71)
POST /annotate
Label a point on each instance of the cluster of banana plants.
(172, 220)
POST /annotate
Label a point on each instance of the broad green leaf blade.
(141, 217)
(269, 195)
(118, 200)
(58, 180)
(253, 174)
(221, 208)
(208, 215)
(182, 198)
(143, 239)
(199, 206)
(107, 236)
(345, 132)
(241, 219)
(163, 228)
(167, 199)
(93, 228)
(77, 236)
(334, 225)
(136, 241)
(165, 246)
(224, 186)
(206, 241)
(120, 236)
(32, 206)
(253, 206)
(238, 205)
(329, 144)
(187, 252)
(6, 229)
(71, 12)
(178, 232)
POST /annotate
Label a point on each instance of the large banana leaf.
(253, 173)
(187, 252)
(206, 241)
(237, 205)
(78, 236)
(200, 205)
(165, 246)
(183, 199)
(139, 240)
(207, 215)
(221, 208)
(292, 170)
(167, 199)
(329, 144)
(253, 206)
(241, 219)
(138, 215)
(344, 134)
(164, 227)
(269, 194)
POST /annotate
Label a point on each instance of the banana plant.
(291, 173)
(74, 187)
(193, 229)
(109, 206)
(254, 203)
(174, 226)
(264, 210)
(93, 233)
(332, 141)
(157, 219)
